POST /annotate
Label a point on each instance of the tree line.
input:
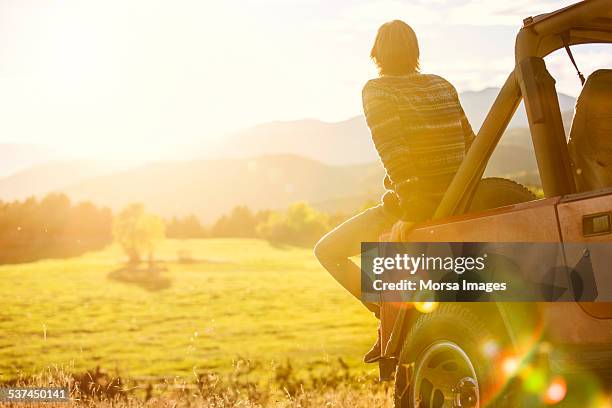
(53, 227)
(300, 225)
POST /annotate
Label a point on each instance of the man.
(421, 134)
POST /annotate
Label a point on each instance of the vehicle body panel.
(506, 224)
(545, 220)
(575, 213)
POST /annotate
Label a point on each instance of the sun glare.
(556, 391)
(426, 307)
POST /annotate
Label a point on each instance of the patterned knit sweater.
(419, 130)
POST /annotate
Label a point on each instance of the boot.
(375, 352)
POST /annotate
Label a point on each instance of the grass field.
(235, 298)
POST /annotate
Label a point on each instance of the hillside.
(476, 105)
(16, 157)
(209, 188)
(348, 142)
(40, 179)
(339, 143)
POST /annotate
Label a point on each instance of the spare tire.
(494, 192)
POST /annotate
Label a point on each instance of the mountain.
(17, 157)
(339, 143)
(210, 188)
(41, 179)
(515, 162)
(476, 105)
(333, 166)
(348, 142)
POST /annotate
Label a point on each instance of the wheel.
(442, 363)
(494, 192)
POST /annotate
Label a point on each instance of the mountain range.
(210, 188)
(16, 157)
(333, 166)
(348, 142)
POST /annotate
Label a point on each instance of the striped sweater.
(419, 130)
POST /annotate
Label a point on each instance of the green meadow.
(207, 304)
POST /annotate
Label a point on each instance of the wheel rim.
(444, 377)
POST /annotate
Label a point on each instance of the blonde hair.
(396, 49)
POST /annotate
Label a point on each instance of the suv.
(477, 354)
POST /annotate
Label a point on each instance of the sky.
(143, 77)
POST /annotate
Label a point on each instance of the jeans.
(335, 249)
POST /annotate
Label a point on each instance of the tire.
(443, 359)
(494, 192)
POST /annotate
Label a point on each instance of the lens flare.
(510, 365)
(490, 348)
(425, 307)
(512, 361)
(534, 380)
(556, 391)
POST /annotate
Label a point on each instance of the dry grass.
(337, 387)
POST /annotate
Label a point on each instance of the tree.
(52, 227)
(299, 225)
(239, 223)
(138, 232)
(185, 228)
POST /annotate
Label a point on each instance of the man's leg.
(335, 249)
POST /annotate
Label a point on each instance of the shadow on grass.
(149, 278)
(185, 257)
(285, 246)
(200, 261)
